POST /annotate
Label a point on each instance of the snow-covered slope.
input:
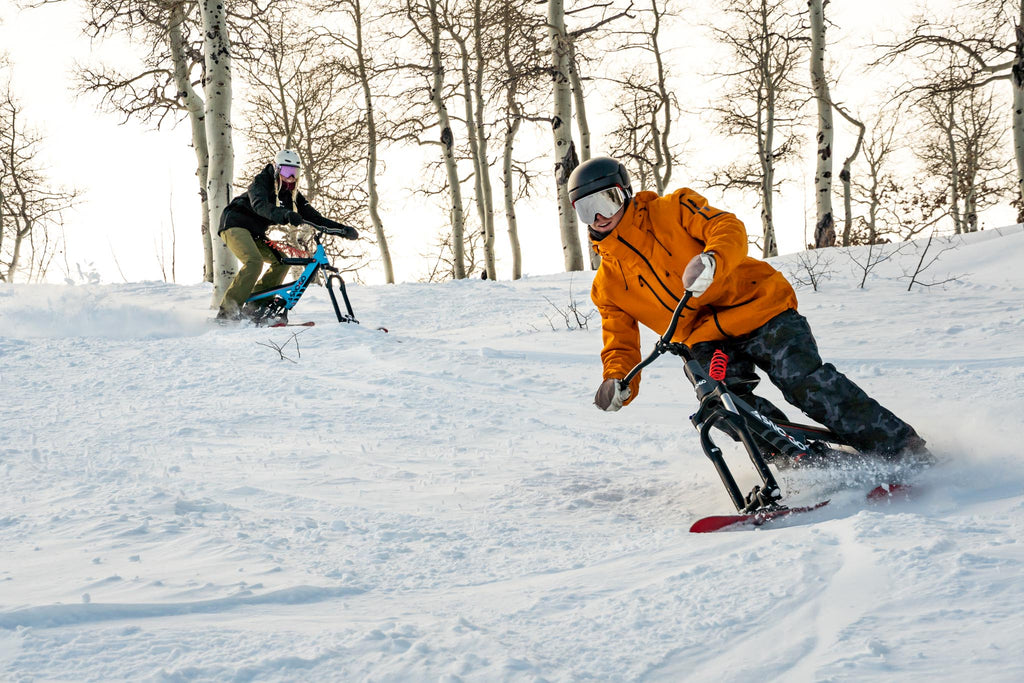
(444, 503)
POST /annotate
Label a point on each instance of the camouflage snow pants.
(784, 348)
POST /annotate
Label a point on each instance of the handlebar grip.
(337, 232)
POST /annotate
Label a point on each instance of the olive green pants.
(252, 255)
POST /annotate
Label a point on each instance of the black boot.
(254, 311)
(225, 316)
(913, 455)
(279, 317)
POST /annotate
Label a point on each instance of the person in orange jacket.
(654, 248)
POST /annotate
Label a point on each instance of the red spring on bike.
(719, 362)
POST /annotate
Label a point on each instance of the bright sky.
(129, 174)
(135, 178)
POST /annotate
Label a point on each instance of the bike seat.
(290, 261)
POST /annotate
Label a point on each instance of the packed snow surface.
(443, 502)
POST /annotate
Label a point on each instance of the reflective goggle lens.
(289, 172)
(606, 202)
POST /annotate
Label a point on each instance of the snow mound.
(125, 312)
(443, 502)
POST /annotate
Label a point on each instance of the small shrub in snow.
(813, 267)
(575, 318)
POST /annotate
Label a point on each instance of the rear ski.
(888, 493)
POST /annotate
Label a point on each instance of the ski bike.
(273, 302)
(765, 440)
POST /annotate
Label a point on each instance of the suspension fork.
(719, 406)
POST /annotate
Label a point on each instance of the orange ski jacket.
(640, 279)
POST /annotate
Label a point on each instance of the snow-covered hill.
(444, 503)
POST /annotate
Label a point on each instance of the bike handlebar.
(663, 342)
(324, 229)
(335, 232)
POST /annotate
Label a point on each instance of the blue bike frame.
(287, 295)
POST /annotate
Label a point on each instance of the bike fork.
(767, 494)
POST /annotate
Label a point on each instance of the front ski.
(719, 522)
(884, 493)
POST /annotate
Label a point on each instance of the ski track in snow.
(444, 503)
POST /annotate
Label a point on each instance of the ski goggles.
(289, 172)
(606, 202)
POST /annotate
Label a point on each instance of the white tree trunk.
(583, 126)
(954, 169)
(663, 153)
(371, 155)
(447, 145)
(770, 247)
(484, 167)
(510, 201)
(1017, 79)
(846, 176)
(873, 204)
(19, 237)
(579, 101)
(824, 229)
(561, 122)
(765, 143)
(513, 122)
(217, 55)
(469, 98)
(970, 218)
(197, 119)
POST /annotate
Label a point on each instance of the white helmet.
(286, 157)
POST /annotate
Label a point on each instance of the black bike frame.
(719, 407)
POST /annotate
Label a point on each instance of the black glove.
(294, 218)
(337, 229)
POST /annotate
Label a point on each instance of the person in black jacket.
(273, 198)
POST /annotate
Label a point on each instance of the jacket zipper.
(653, 272)
(645, 283)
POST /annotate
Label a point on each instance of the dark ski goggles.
(289, 172)
(605, 202)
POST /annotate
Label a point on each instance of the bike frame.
(758, 434)
(287, 295)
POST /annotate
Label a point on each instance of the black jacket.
(256, 210)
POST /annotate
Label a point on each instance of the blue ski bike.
(271, 303)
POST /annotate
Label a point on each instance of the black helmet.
(597, 174)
